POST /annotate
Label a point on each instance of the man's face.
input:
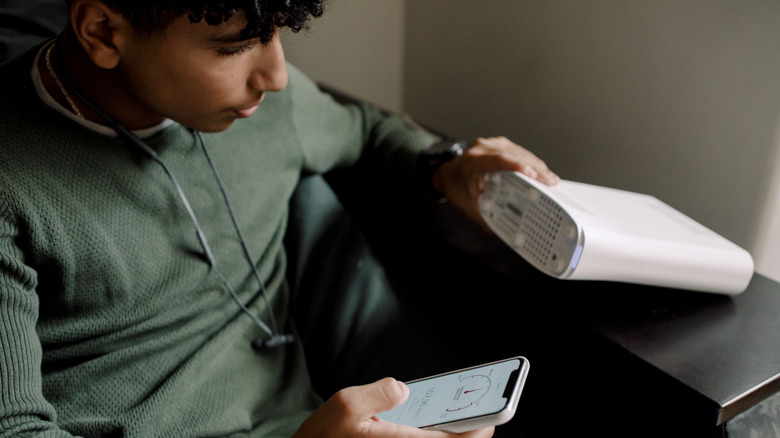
(204, 77)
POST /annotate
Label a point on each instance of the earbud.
(274, 341)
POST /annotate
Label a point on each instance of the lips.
(248, 111)
(244, 113)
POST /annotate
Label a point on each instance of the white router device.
(580, 231)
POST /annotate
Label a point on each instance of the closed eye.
(236, 50)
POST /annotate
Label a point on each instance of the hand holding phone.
(463, 400)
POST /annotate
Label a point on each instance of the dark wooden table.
(720, 354)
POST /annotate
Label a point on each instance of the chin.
(211, 126)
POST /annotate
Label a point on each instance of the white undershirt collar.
(47, 98)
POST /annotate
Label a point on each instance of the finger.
(500, 153)
(377, 397)
(384, 428)
(549, 178)
(479, 433)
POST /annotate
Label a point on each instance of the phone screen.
(473, 392)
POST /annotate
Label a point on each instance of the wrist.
(431, 160)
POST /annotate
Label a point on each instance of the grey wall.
(676, 98)
(679, 99)
(357, 46)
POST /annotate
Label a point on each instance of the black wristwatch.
(430, 159)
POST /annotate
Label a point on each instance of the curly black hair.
(263, 16)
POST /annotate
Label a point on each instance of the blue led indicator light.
(575, 258)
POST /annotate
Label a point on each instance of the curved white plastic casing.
(580, 231)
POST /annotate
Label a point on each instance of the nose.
(270, 70)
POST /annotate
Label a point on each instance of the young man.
(148, 156)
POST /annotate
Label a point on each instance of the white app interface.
(443, 399)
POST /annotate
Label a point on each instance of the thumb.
(384, 395)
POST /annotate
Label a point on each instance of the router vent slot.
(509, 221)
(541, 225)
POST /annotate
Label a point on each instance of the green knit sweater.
(111, 321)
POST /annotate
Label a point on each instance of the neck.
(100, 86)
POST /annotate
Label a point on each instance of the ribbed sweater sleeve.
(23, 409)
(382, 147)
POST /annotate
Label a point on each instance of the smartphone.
(463, 400)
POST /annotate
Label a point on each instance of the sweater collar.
(47, 98)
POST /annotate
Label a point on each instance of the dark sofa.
(419, 290)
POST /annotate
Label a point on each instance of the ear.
(99, 29)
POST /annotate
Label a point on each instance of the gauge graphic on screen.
(471, 391)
